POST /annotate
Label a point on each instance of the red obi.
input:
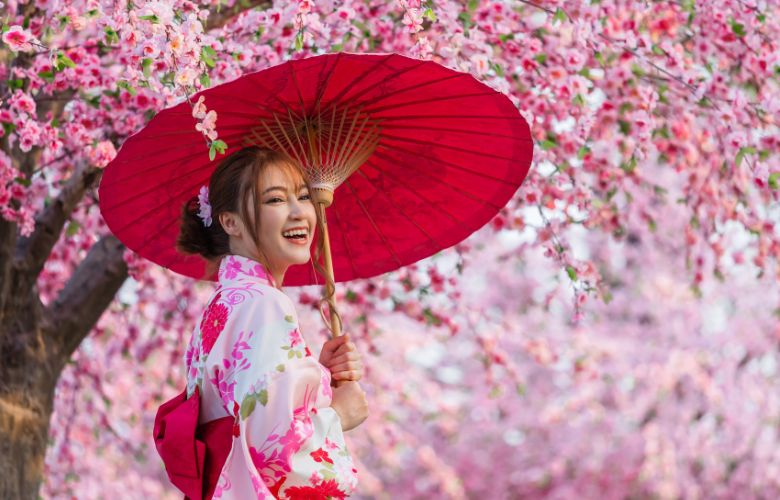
(193, 454)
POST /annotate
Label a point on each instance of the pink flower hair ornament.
(204, 211)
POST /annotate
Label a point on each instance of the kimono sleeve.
(292, 440)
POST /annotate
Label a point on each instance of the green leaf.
(280, 367)
(560, 16)
(47, 75)
(111, 35)
(220, 146)
(207, 55)
(262, 396)
(205, 81)
(572, 273)
(72, 229)
(773, 180)
(151, 18)
(8, 127)
(540, 58)
(289, 319)
(124, 84)
(738, 28)
(290, 354)
(24, 181)
(146, 65)
(430, 15)
(212, 152)
(657, 50)
(583, 151)
(629, 166)
(16, 83)
(745, 150)
(547, 144)
(327, 475)
(63, 61)
(651, 225)
(248, 406)
(299, 40)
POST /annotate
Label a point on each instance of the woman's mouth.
(297, 236)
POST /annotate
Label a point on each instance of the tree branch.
(85, 297)
(219, 19)
(32, 251)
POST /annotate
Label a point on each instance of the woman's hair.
(236, 181)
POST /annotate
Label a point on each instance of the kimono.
(248, 359)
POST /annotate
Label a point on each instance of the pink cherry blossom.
(18, 39)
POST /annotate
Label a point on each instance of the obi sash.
(193, 454)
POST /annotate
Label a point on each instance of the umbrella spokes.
(328, 146)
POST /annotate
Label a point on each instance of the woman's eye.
(305, 197)
(274, 200)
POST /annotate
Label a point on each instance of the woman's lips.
(298, 241)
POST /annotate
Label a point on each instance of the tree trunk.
(35, 344)
(25, 409)
(27, 381)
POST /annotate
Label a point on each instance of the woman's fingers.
(351, 365)
(343, 358)
(352, 375)
(329, 349)
(344, 348)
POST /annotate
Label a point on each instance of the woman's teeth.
(296, 234)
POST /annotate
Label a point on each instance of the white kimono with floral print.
(249, 358)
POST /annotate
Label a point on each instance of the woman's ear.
(231, 223)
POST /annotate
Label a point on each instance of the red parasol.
(427, 155)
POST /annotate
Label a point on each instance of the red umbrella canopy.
(449, 154)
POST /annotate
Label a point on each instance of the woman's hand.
(341, 357)
(350, 403)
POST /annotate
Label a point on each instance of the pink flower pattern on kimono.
(268, 461)
(213, 323)
(301, 429)
(325, 387)
(224, 380)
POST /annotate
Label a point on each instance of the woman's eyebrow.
(282, 188)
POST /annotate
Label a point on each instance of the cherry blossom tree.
(613, 331)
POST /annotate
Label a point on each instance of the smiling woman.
(248, 366)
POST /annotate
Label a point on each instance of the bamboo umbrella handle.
(335, 323)
(323, 199)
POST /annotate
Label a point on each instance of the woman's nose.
(296, 209)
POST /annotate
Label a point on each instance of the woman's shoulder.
(262, 298)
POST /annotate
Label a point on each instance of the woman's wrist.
(342, 422)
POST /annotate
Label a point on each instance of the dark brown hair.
(235, 181)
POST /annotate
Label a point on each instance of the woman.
(247, 357)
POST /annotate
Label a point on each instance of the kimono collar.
(240, 268)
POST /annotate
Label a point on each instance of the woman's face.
(287, 219)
